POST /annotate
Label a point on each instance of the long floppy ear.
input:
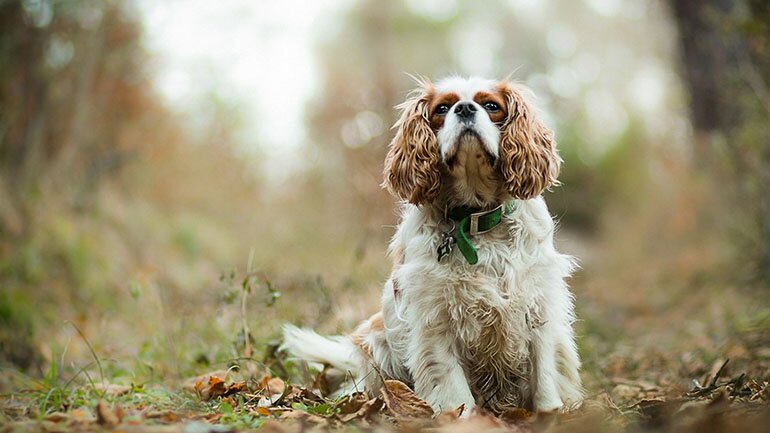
(412, 165)
(529, 160)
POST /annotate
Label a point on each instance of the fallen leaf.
(79, 414)
(450, 416)
(58, 417)
(402, 402)
(216, 387)
(263, 381)
(275, 388)
(75, 415)
(263, 411)
(164, 416)
(208, 389)
(213, 417)
(230, 401)
(106, 416)
(293, 394)
(518, 415)
(192, 384)
(366, 411)
(352, 403)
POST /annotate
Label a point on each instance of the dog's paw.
(548, 404)
(442, 400)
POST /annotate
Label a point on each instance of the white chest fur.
(486, 313)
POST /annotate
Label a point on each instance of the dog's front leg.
(545, 372)
(438, 376)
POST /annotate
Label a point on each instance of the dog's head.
(472, 142)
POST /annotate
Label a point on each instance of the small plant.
(240, 290)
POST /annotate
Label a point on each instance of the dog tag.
(446, 244)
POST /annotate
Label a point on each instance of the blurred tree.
(99, 181)
(71, 88)
(725, 46)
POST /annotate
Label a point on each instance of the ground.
(669, 356)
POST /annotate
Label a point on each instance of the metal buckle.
(474, 230)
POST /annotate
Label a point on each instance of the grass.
(105, 308)
(622, 378)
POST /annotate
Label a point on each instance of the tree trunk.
(725, 50)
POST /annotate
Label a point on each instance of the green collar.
(472, 222)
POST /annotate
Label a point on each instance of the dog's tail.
(307, 345)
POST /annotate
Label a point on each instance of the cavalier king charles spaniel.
(476, 311)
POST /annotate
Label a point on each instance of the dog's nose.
(465, 110)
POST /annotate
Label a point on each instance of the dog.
(476, 311)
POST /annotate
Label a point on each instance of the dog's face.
(467, 111)
(471, 142)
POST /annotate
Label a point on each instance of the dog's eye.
(491, 107)
(442, 109)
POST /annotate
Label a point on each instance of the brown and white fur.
(494, 334)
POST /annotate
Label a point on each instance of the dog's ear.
(412, 165)
(528, 156)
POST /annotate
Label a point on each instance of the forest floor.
(674, 358)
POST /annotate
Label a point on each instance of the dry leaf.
(191, 384)
(402, 402)
(75, 415)
(208, 389)
(212, 417)
(106, 416)
(163, 416)
(366, 411)
(518, 415)
(79, 414)
(275, 388)
(263, 411)
(263, 381)
(450, 416)
(294, 394)
(352, 403)
(58, 417)
(216, 387)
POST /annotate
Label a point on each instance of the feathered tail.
(337, 351)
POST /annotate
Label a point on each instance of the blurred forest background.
(138, 185)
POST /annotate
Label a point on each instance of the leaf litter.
(225, 400)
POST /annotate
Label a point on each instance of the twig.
(700, 391)
(719, 372)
